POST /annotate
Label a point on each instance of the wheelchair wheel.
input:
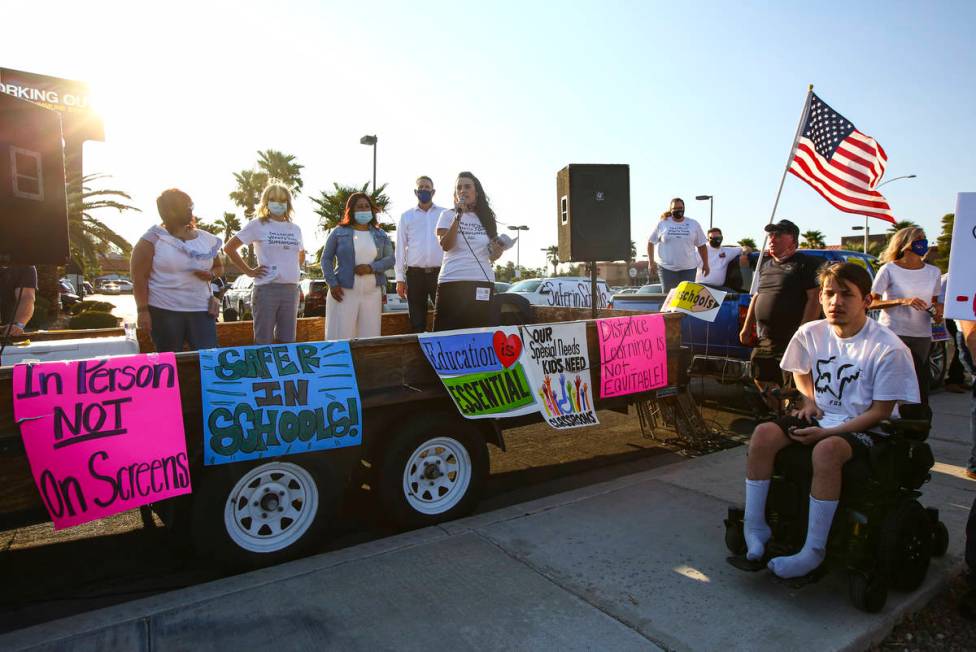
(905, 545)
(940, 539)
(868, 592)
(735, 540)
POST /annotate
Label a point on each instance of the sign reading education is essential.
(272, 400)
(482, 371)
(102, 436)
(699, 301)
(558, 368)
(960, 297)
(633, 354)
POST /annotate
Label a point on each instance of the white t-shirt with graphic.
(719, 259)
(462, 263)
(676, 244)
(896, 282)
(172, 283)
(276, 246)
(850, 373)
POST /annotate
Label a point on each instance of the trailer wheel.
(264, 514)
(432, 472)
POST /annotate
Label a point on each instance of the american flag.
(840, 162)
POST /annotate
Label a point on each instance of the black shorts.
(765, 359)
(861, 442)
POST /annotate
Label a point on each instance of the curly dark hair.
(347, 217)
(482, 208)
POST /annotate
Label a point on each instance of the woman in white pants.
(355, 257)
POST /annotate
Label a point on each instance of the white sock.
(815, 548)
(754, 528)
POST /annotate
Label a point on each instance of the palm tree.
(813, 240)
(250, 184)
(747, 242)
(898, 226)
(88, 235)
(552, 257)
(229, 225)
(207, 226)
(281, 166)
(332, 206)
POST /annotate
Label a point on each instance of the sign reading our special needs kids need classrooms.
(102, 436)
(482, 371)
(558, 368)
(633, 354)
(268, 401)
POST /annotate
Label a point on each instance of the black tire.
(232, 532)
(437, 503)
(938, 364)
(940, 539)
(905, 545)
(735, 539)
(868, 592)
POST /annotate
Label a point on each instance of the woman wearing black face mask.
(680, 247)
(906, 290)
(172, 266)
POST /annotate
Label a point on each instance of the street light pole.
(371, 140)
(518, 249)
(867, 230)
(711, 206)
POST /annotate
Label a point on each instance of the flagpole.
(789, 161)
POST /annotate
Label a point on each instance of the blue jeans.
(171, 329)
(670, 279)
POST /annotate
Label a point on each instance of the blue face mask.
(424, 196)
(920, 247)
(363, 217)
(277, 208)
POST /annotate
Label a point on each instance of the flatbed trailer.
(405, 407)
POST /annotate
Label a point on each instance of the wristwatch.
(20, 325)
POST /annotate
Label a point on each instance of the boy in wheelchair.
(851, 372)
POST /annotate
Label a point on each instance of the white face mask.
(277, 208)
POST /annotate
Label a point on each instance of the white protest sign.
(960, 296)
(558, 367)
(693, 299)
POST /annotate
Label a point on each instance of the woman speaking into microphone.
(468, 235)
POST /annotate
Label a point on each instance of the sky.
(698, 98)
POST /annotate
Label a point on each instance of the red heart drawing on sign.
(507, 349)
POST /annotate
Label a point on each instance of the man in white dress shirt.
(419, 254)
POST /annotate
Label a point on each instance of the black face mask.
(715, 242)
(678, 213)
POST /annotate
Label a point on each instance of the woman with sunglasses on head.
(906, 290)
(469, 237)
(280, 251)
(355, 257)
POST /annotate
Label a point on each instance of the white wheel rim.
(271, 507)
(437, 475)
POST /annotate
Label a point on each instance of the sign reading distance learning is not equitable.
(960, 297)
(481, 370)
(102, 436)
(633, 354)
(273, 400)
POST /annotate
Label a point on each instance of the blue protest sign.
(272, 400)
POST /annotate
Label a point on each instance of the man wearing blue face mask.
(419, 254)
(280, 252)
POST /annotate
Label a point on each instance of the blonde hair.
(275, 188)
(901, 240)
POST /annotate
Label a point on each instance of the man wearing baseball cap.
(786, 297)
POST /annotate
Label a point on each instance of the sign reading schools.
(694, 299)
(268, 401)
(102, 436)
(481, 371)
(558, 368)
(633, 354)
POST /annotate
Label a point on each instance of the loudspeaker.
(33, 206)
(593, 206)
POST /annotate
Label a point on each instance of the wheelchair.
(881, 534)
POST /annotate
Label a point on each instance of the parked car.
(501, 287)
(109, 287)
(651, 288)
(315, 292)
(88, 288)
(236, 303)
(562, 291)
(125, 285)
(67, 294)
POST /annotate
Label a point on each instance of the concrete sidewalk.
(636, 563)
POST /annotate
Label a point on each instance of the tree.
(229, 225)
(944, 241)
(552, 257)
(331, 206)
(633, 252)
(89, 236)
(281, 166)
(747, 242)
(813, 240)
(898, 226)
(209, 227)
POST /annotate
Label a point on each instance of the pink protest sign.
(633, 354)
(102, 436)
